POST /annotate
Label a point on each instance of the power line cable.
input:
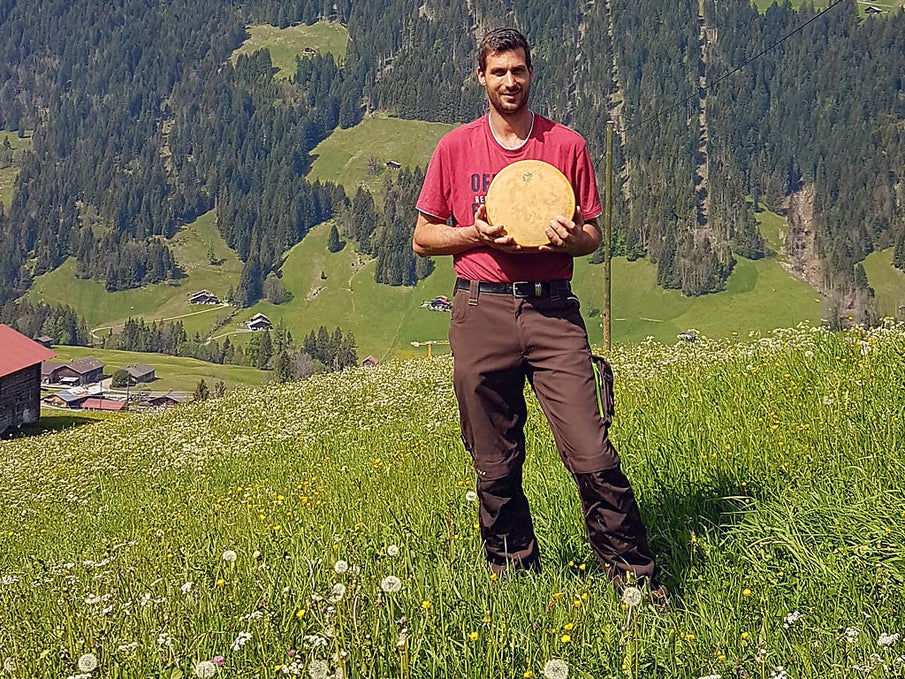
(747, 62)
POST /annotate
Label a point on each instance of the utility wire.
(747, 62)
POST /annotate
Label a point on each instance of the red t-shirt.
(460, 172)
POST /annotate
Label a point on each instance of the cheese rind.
(524, 196)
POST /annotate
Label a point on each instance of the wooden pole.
(607, 241)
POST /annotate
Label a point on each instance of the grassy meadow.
(174, 373)
(887, 281)
(343, 156)
(8, 174)
(328, 529)
(285, 44)
(191, 247)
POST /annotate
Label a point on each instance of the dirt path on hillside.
(94, 331)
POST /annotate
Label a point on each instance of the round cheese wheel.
(525, 196)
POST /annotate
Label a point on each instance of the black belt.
(520, 289)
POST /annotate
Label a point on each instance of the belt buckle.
(527, 289)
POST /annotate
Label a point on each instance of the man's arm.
(433, 236)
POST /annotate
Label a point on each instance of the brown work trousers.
(499, 340)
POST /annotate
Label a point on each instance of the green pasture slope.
(285, 44)
(887, 281)
(343, 156)
(8, 174)
(191, 247)
(768, 472)
(172, 372)
(760, 296)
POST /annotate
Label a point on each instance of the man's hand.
(493, 235)
(572, 236)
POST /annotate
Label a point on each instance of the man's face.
(507, 80)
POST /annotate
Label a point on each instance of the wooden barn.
(20, 378)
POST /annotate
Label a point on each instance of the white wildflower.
(92, 599)
(9, 579)
(9, 665)
(471, 496)
(712, 676)
(791, 619)
(556, 669)
(851, 635)
(240, 641)
(392, 550)
(318, 669)
(256, 555)
(631, 596)
(164, 640)
(205, 669)
(127, 648)
(88, 662)
(779, 673)
(337, 593)
(187, 587)
(887, 640)
(391, 584)
(340, 567)
(314, 640)
(145, 599)
(229, 556)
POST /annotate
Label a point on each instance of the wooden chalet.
(20, 378)
(369, 362)
(873, 11)
(50, 372)
(259, 322)
(204, 297)
(44, 340)
(393, 165)
(140, 372)
(163, 401)
(82, 371)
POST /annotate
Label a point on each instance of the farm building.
(369, 362)
(140, 372)
(204, 297)
(82, 371)
(167, 400)
(20, 378)
(105, 404)
(44, 341)
(50, 372)
(259, 322)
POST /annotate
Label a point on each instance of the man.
(514, 317)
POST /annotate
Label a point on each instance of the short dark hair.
(502, 40)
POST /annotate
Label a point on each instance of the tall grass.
(769, 473)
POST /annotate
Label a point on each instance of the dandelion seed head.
(391, 584)
(340, 567)
(318, 669)
(205, 669)
(631, 596)
(392, 550)
(229, 556)
(556, 669)
(88, 662)
(337, 592)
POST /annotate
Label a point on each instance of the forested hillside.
(141, 123)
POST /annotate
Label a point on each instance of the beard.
(508, 105)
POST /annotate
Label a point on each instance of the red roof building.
(103, 404)
(20, 378)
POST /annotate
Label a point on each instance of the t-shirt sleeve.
(586, 185)
(434, 198)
